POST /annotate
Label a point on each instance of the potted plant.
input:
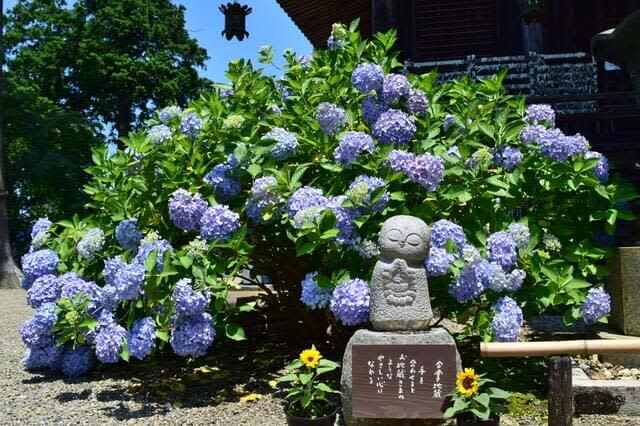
(473, 402)
(308, 400)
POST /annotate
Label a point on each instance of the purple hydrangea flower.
(227, 93)
(109, 341)
(36, 332)
(219, 223)
(44, 289)
(449, 122)
(444, 230)
(335, 43)
(556, 145)
(502, 249)
(507, 157)
(470, 254)
(127, 279)
(367, 77)
(188, 301)
(438, 261)
(72, 285)
(37, 264)
(193, 335)
(330, 117)
(372, 108)
(520, 234)
(78, 361)
(361, 189)
(127, 234)
(286, 143)
(532, 134)
(41, 225)
(467, 285)
(400, 161)
(304, 60)
(90, 244)
(304, 198)
(191, 125)
(160, 133)
(394, 86)
(145, 249)
(264, 194)
(539, 113)
(351, 146)
(507, 320)
(493, 277)
(220, 177)
(597, 305)
(426, 170)
(350, 302)
(417, 102)
(394, 126)
(141, 337)
(345, 220)
(601, 169)
(313, 296)
(186, 210)
(43, 358)
(169, 113)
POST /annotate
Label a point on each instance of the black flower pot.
(468, 419)
(320, 421)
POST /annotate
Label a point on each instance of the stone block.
(624, 288)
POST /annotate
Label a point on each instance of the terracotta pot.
(320, 421)
(468, 419)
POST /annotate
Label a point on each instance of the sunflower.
(310, 357)
(467, 382)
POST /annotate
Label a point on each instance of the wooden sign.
(402, 381)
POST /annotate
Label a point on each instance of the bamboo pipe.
(565, 347)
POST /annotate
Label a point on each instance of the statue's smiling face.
(404, 237)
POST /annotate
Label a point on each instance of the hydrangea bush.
(291, 178)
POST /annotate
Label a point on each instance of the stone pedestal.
(624, 288)
(435, 336)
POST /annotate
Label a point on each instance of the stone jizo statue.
(399, 291)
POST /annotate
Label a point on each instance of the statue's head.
(404, 237)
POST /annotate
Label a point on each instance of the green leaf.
(287, 378)
(234, 332)
(498, 393)
(254, 170)
(483, 399)
(162, 335)
(305, 378)
(186, 261)
(151, 260)
(324, 388)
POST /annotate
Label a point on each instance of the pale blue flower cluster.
(264, 194)
(159, 246)
(508, 157)
(367, 77)
(394, 126)
(227, 93)
(312, 295)
(191, 125)
(44, 289)
(193, 335)
(304, 198)
(72, 285)
(189, 302)
(78, 361)
(345, 218)
(286, 143)
(49, 357)
(399, 161)
(372, 108)
(351, 146)
(417, 102)
(126, 279)
(219, 223)
(109, 341)
(169, 113)
(350, 302)
(507, 320)
(502, 249)
(39, 231)
(438, 261)
(449, 122)
(532, 134)
(601, 169)
(520, 234)
(335, 43)
(394, 86)
(141, 337)
(330, 117)
(467, 285)
(160, 133)
(540, 113)
(36, 264)
(444, 230)
(186, 209)
(426, 169)
(360, 191)
(223, 179)
(36, 331)
(597, 305)
(127, 234)
(90, 244)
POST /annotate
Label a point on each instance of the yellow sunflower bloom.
(467, 382)
(310, 357)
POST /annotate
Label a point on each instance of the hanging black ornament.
(235, 20)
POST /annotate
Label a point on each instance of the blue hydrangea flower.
(109, 341)
(191, 125)
(520, 234)
(304, 60)
(219, 223)
(335, 43)
(597, 305)
(426, 170)
(507, 320)
(601, 170)
(304, 198)
(539, 113)
(394, 86)
(444, 230)
(307, 216)
(313, 296)
(71, 285)
(345, 220)
(467, 285)
(221, 177)
(189, 302)
(145, 249)
(141, 337)
(186, 209)
(352, 145)
(127, 234)
(90, 244)
(350, 302)
(449, 122)
(227, 93)
(169, 113)
(367, 77)
(400, 161)
(127, 279)
(160, 133)
(286, 143)
(417, 102)
(502, 249)
(43, 358)
(361, 189)
(41, 225)
(507, 157)
(78, 361)
(438, 261)
(530, 135)
(372, 108)
(193, 335)
(556, 145)
(394, 126)
(330, 117)
(44, 289)
(470, 254)
(366, 249)
(493, 277)
(36, 331)
(264, 194)
(37, 264)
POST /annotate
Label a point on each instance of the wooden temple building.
(545, 44)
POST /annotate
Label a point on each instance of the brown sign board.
(402, 381)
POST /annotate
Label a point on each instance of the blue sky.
(267, 24)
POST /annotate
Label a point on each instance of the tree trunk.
(9, 273)
(124, 119)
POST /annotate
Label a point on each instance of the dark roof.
(315, 17)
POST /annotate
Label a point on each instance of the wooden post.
(560, 392)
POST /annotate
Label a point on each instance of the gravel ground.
(161, 391)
